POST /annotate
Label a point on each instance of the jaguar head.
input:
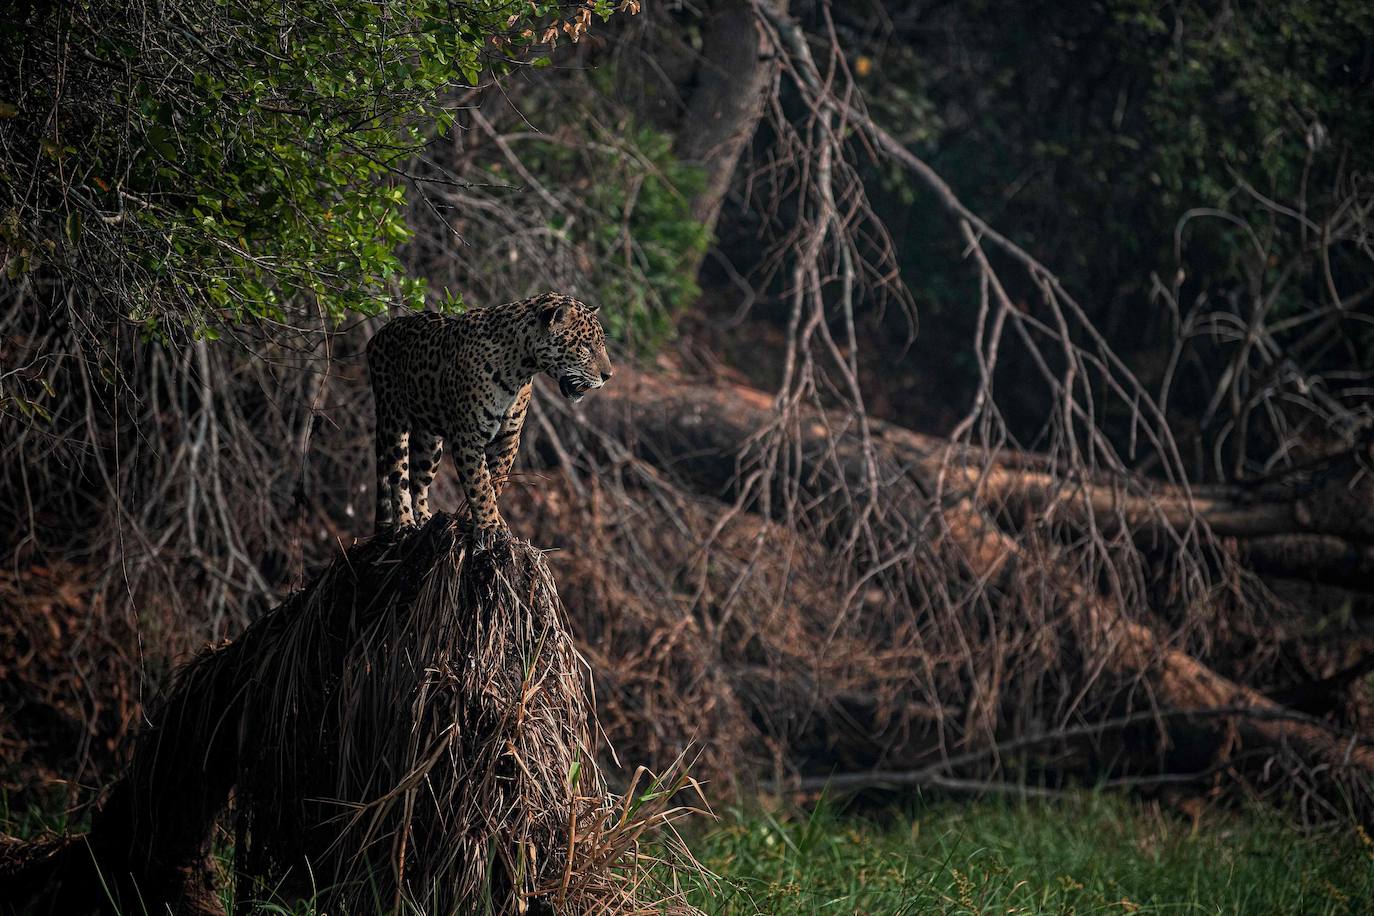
(572, 345)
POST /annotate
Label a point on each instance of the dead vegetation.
(413, 729)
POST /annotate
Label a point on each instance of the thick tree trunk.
(726, 106)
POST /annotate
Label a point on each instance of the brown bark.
(726, 106)
(1338, 506)
(1227, 514)
(1312, 557)
(700, 431)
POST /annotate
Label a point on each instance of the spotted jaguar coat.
(463, 381)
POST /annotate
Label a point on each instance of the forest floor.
(1084, 854)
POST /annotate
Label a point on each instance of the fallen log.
(1328, 519)
(1315, 512)
(1312, 557)
(1226, 514)
(702, 433)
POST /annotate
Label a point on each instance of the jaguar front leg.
(501, 451)
(471, 465)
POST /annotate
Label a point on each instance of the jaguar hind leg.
(393, 484)
(426, 451)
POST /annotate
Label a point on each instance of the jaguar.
(463, 382)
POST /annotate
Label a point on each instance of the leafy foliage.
(1091, 129)
(640, 235)
(203, 164)
(595, 203)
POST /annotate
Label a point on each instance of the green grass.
(1085, 855)
(1093, 854)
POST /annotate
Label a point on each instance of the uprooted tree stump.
(414, 726)
(950, 514)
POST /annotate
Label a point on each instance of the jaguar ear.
(593, 308)
(553, 313)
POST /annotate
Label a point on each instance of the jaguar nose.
(606, 374)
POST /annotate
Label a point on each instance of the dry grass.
(413, 730)
(426, 735)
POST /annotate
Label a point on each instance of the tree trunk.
(726, 106)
